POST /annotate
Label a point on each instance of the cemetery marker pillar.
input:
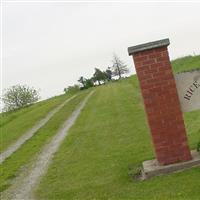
(161, 101)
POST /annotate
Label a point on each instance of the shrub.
(72, 89)
(19, 96)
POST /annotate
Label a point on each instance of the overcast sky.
(50, 45)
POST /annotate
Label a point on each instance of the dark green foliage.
(72, 89)
(82, 81)
(88, 83)
(108, 73)
(99, 76)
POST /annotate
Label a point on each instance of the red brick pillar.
(161, 101)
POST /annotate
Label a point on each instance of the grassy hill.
(24, 156)
(31, 114)
(106, 147)
(186, 63)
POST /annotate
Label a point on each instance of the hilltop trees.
(82, 81)
(118, 67)
(99, 77)
(108, 74)
(19, 96)
(86, 83)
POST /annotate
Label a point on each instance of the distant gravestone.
(188, 86)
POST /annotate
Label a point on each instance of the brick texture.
(162, 105)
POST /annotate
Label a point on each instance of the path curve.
(11, 149)
(23, 189)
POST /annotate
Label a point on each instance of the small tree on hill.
(19, 96)
(82, 81)
(118, 67)
(89, 83)
(108, 73)
(99, 76)
(86, 83)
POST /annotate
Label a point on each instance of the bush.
(72, 89)
(19, 96)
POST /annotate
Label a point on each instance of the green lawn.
(11, 167)
(14, 124)
(106, 147)
(186, 63)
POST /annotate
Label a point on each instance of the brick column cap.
(147, 46)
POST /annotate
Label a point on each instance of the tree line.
(99, 77)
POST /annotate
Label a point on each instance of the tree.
(82, 80)
(108, 74)
(19, 96)
(89, 83)
(86, 83)
(99, 76)
(118, 67)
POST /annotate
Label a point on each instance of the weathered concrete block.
(152, 168)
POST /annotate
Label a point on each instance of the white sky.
(50, 45)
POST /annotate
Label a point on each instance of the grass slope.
(107, 145)
(186, 63)
(12, 124)
(23, 156)
(104, 149)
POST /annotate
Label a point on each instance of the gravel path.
(11, 149)
(23, 187)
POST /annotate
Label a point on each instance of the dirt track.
(23, 186)
(11, 149)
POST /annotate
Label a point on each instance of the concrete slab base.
(152, 168)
